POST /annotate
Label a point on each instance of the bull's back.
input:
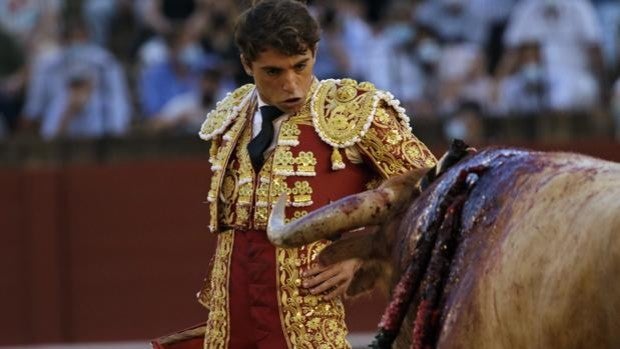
(550, 273)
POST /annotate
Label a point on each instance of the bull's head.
(501, 251)
(380, 210)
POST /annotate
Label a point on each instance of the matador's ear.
(247, 66)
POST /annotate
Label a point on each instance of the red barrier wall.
(102, 252)
(117, 252)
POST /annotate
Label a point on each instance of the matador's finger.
(335, 292)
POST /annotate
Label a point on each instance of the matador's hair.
(284, 25)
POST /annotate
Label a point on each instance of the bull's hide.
(537, 261)
(507, 249)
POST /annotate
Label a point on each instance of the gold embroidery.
(212, 198)
(220, 157)
(243, 215)
(342, 113)
(225, 112)
(246, 180)
(261, 213)
(382, 116)
(326, 327)
(289, 134)
(245, 194)
(391, 147)
(306, 164)
(213, 151)
(223, 154)
(279, 187)
(262, 193)
(346, 93)
(237, 188)
(393, 137)
(218, 326)
(228, 194)
(366, 86)
(283, 161)
(229, 186)
(296, 215)
(302, 194)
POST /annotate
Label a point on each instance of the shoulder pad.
(225, 112)
(343, 110)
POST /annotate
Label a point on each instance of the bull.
(507, 248)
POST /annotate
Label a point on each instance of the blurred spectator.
(29, 32)
(436, 56)
(3, 131)
(332, 59)
(525, 89)
(164, 86)
(416, 63)
(217, 41)
(33, 23)
(12, 80)
(405, 77)
(98, 15)
(162, 16)
(185, 113)
(379, 51)
(609, 14)
(615, 102)
(465, 123)
(570, 38)
(212, 89)
(494, 16)
(356, 33)
(452, 20)
(80, 92)
(463, 77)
(117, 25)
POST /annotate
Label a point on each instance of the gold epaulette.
(225, 112)
(343, 110)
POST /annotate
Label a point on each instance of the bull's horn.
(355, 211)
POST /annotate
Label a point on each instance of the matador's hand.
(332, 280)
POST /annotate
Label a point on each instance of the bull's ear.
(347, 248)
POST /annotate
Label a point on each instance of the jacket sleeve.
(390, 147)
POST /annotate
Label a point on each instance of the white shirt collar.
(261, 103)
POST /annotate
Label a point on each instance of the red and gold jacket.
(346, 137)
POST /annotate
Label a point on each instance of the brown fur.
(548, 273)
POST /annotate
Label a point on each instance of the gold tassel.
(337, 163)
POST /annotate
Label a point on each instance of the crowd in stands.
(94, 68)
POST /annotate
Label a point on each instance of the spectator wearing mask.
(569, 35)
(525, 90)
(415, 61)
(462, 76)
(453, 20)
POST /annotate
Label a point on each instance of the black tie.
(261, 142)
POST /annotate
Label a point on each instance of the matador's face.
(282, 80)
